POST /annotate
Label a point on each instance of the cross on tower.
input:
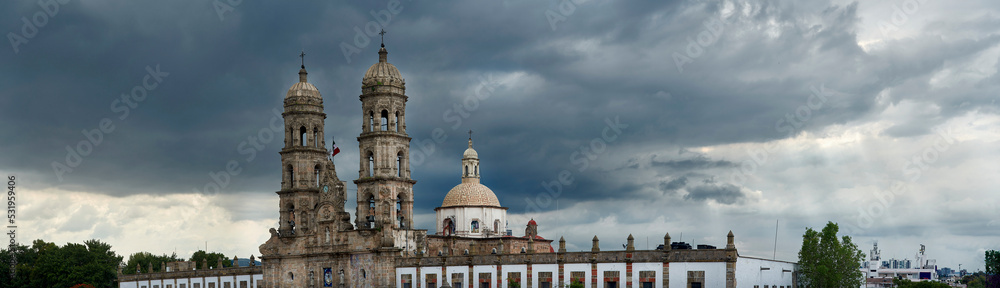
(303, 56)
(382, 33)
(470, 134)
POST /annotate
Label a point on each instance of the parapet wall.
(694, 255)
(224, 272)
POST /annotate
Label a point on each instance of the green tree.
(975, 280)
(46, 265)
(212, 259)
(18, 256)
(993, 268)
(826, 262)
(148, 262)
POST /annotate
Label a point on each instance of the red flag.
(335, 150)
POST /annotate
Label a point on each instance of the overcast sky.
(688, 117)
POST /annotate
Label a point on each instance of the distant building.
(879, 273)
(946, 272)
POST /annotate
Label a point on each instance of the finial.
(303, 56)
(382, 33)
(302, 72)
(631, 243)
(470, 138)
(730, 244)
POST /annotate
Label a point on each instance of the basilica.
(317, 245)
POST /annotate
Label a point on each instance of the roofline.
(491, 237)
(470, 206)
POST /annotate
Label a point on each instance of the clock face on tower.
(326, 189)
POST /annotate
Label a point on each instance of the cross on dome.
(382, 33)
(303, 56)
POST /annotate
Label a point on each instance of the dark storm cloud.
(723, 193)
(551, 90)
(698, 162)
(673, 185)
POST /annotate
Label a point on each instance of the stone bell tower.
(385, 190)
(309, 179)
(303, 158)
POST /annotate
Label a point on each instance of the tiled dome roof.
(303, 88)
(470, 194)
(470, 153)
(383, 73)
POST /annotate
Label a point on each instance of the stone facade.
(316, 245)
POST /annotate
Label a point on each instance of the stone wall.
(456, 246)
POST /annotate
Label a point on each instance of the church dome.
(303, 88)
(383, 73)
(470, 193)
(470, 153)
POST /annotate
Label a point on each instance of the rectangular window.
(432, 280)
(577, 276)
(170, 285)
(457, 279)
(695, 279)
(211, 285)
(485, 280)
(647, 279)
(243, 284)
(407, 280)
(182, 285)
(545, 279)
(226, 285)
(514, 277)
(611, 279)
